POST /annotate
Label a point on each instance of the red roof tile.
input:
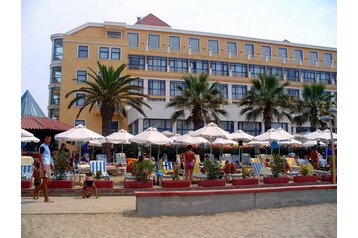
(152, 20)
(43, 123)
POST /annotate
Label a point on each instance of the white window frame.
(138, 39)
(88, 51)
(74, 122)
(109, 52)
(114, 37)
(179, 42)
(77, 101)
(77, 75)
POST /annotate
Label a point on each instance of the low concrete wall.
(214, 201)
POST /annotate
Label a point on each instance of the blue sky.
(306, 21)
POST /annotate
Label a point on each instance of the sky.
(305, 21)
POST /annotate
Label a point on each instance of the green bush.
(305, 170)
(277, 165)
(213, 169)
(245, 173)
(61, 162)
(141, 170)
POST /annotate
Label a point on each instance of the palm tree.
(112, 92)
(202, 100)
(267, 99)
(313, 104)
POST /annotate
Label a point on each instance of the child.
(89, 183)
(37, 177)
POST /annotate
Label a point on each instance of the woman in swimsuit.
(89, 183)
(189, 161)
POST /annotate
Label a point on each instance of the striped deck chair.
(121, 159)
(101, 157)
(258, 169)
(292, 163)
(164, 171)
(26, 172)
(323, 163)
(303, 161)
(98, 165)
(323, 168)
(246, 158)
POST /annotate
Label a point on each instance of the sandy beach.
(115, 216)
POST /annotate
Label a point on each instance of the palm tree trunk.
(107, 115)
(267, 119)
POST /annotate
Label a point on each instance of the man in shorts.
(46, 165)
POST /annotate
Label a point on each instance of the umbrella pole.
(122, 148)
(158, 152)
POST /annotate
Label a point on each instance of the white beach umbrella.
(320, 135)
(285, 133)
(30, 139)
(78, 133)
(97, 143)
(168, 133)
(119, 137)
(189, 139)
(310, 143)
(274, 134)
(258, 142)
(313, 135)
(326, 135)
(25, 133)
(290, 142)
(240, 135)
(222, 141)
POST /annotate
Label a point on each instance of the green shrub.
(213, 169)
(141, 170)
(277, 165)
(305, 170)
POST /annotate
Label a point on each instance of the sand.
(115, 216)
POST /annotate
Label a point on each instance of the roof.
(29, 106)
(151, 20)
(43, 123)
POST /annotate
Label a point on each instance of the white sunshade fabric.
(120, 137)
(25, 133)
(257, 142)
(211, 130)
(79, 133)
(290, 142)
(241, 135)
(151, 136)
(320, 135)
(97, 143)
(168, 133)
(310, 143)
(222, 141)
(189, 139)
(274, 134)
(30, 139)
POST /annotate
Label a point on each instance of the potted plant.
(213, 169)
(245, 180)
(277, 165)
(102, 183)
(306, 175)
(328, 177)
(60, 179)
(141, 171)
(176, 182)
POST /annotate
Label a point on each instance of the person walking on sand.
(46, 164)
(189, 162)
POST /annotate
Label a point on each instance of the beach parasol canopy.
(311, 143)
(290, 142)
(25, 133)
(211, 130)
(257, 142)
(274, 134)
(240, 135)
(120, 137)
(30, 139)
(151, 136)
(97, 143)
(320, 135)
(222, 141)
(78, 133)
(189, 139)
(168, 133)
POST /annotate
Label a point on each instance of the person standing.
(85, 151)
(189, 162)
(46, 164)
(314, 157)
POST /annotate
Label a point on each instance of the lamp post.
(328, 119)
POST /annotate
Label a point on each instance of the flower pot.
(138, 184)
(176, 183)
(103, 183)
(61, 184)
(211, 182)
(305, 179)
(276, 180)
(26, 183)
(245, 181)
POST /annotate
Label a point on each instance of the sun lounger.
(292, 163)
(260, 170)
(246, 158)
(101, 157)
(27, 160)
(26, 172)
(98, 165)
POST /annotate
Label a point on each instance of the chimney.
(138, 19)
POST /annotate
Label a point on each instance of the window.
(82, 51)
(249, 49)
(178, 65)
(136, 62)
(160, 124)
(277, 125)
(266, 51)
(157, 63)
(238, 91)
(56, 75)
(78, 122)
(325, 92)
(57, 49)
(174, 91)
(309, 76)
(194, 45)
(256, 70)
(231, 47)
(133, 40)
(214, 46)
(153, 41)
(219, 68)
(133, 128)
(80, 102)
(103, 52)
(252, 128)
(292, 74)
(115, 53)
(334, 78)
(323, 77)
(303, 129)
(298, 56)
(224, 91)
(114, 34)
(81, 76)
(239, 70)
(199, 66)
(227, 126)
(156, 87)
(275, 71)
(55, 96)
(328, 59)
(137, 82)
(114, 126)
(174, 42)
(294, 92)
(313, 57)
(183, 128)
(282, 53)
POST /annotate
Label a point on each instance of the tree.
(202, 100)
(267, 99)
(112, 92)
(314, 103)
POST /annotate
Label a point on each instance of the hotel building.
(160, 56)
